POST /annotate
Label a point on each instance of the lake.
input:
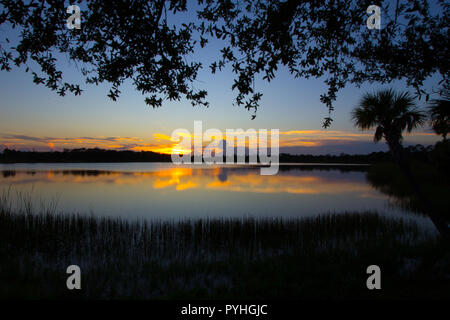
(168, 191)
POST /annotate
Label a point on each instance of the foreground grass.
(320, 257)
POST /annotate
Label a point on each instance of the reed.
(205, 257)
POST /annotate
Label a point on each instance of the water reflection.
(174, 191)
(296, 181)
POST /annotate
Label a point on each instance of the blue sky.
(33, 117)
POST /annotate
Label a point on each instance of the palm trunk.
(426, 205)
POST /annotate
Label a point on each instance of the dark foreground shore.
(321, 257)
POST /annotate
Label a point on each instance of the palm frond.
(439, 110)
(402, 103)
(378, 134)
(390, 112)
(413, 119)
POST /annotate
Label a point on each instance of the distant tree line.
(82, 155)
(418, 152)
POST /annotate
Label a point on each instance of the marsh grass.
(323, 256)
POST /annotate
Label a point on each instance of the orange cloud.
(163, 143)
(299, 143)
(162, 136)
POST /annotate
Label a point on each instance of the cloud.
(291, 141)
(27, 142)
(161, 136)
(334, 148)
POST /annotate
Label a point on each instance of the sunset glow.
(163, 143)
(219, 179)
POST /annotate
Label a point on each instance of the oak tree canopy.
(142, 41)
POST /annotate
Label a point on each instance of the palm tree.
(392, 113)
(440, 115)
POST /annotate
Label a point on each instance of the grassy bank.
(324, 256)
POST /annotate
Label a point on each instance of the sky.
(35, 118)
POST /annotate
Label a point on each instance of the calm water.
(163, 190)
